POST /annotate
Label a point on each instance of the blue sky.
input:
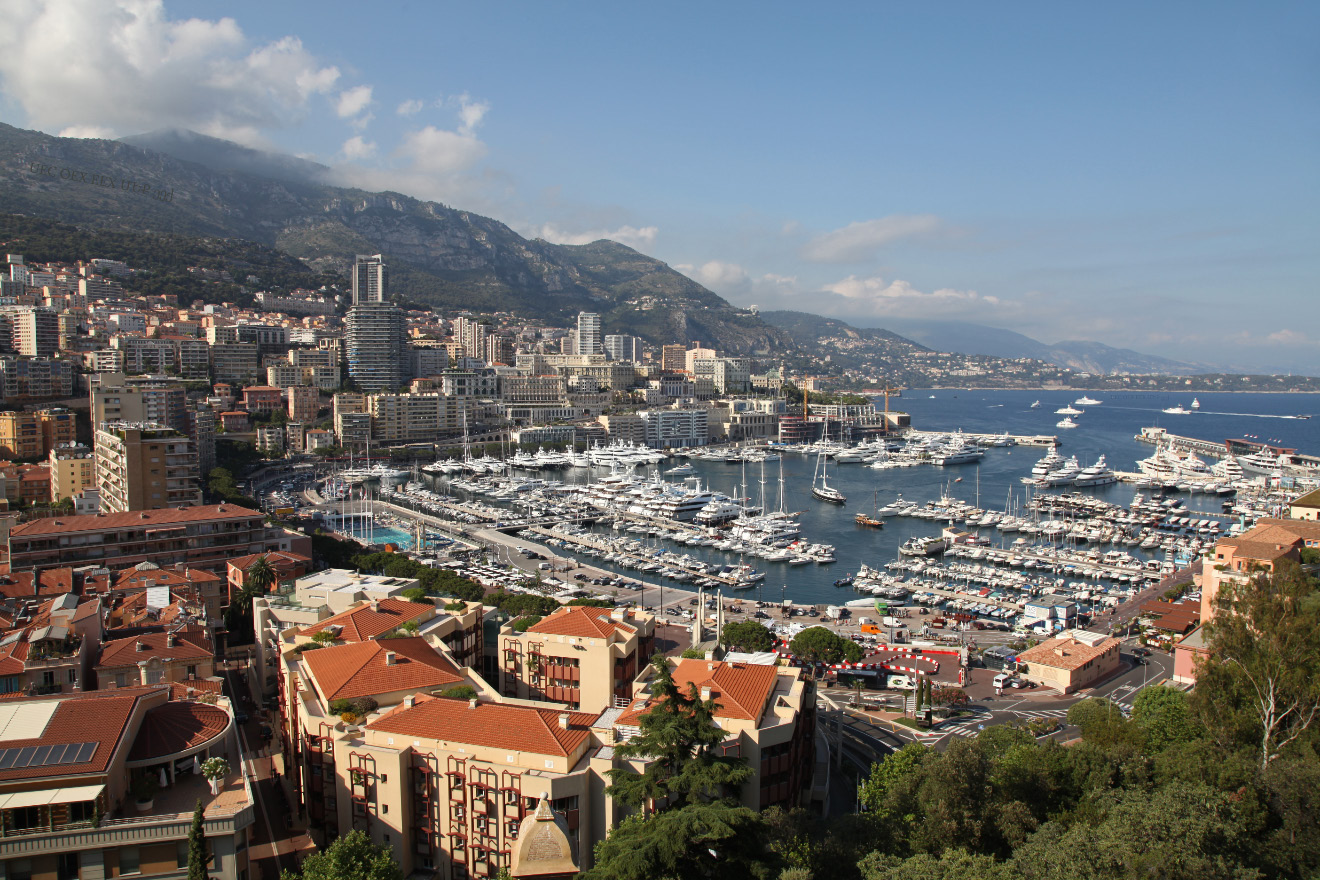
(1144, 175)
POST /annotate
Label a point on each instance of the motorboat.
(1068, 411)
(1178, 410)
(1066, 422)
(1086, 401)
(683, 470)
(1097, 474)
(1196, 404)
(1036, 405)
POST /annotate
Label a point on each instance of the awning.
(43, 796)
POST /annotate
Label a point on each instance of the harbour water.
(994, 483)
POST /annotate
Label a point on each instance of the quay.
(984, 439)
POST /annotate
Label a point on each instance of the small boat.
(1036, 405)
(1178, 410)
(863, 520)
(1196, 404)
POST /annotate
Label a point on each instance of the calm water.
(1107, 429)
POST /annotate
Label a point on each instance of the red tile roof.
(581, 621)
(148, 574)
(176, 726)
(99, 716)
(190, 643)
(179, 690)
(279, 560)
(493, 725)
(360, 669)
(740, 690)
(362, 622)
(132, 519)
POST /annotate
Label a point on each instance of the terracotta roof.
(362, 622)
(361, 669)
(493, 725)
(1066, 652)
(581, 622)
(278, 559)
(175, 726)
(132, 519)
(1307, 530)
(148, 574)
(740, 689)
(97, 716)
(190, 643)
(179, 690)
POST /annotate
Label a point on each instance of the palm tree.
(256, 581)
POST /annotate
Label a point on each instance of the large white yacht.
(1068, 411)
(1097, 474)
(1065, 422)
(1087, 401)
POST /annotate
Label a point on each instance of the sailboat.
(873, 521)
(820, 486)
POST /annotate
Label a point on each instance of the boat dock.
(983, 439)
(1155, 436)
(594, 543)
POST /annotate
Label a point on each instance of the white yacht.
(1036, 405)
(1066, 422)
(1064, 474)
(1178, 410)
(1097, 474)
(1068, 411)
(957, 453)
(1049, 462)
(683, 470)
(1087, 401)
(1196, 404)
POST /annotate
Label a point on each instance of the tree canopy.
(816, 644)
(747, 635)
(351, 856)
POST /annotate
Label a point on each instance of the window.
(73, 676)
(181, 854)
(128, 860)
(19, 869)
(26, 817)
(82, 811)
(66, 867)
(192, 671)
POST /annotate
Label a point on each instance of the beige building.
(145, 466)
(1076, 659)
(20, 435)
(183, 654)
(81, 811)
(580, 657)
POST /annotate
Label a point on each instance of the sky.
(1138, 174)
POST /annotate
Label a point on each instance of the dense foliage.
(432, 581)
(350, 857)
(747, 635)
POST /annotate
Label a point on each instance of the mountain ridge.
(441, 256)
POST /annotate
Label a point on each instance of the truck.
(893, 621)
(834, 612)
(872, 629)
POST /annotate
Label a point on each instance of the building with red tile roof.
(181, 655)
(67, 765)
(288, 568)
(385, 670)
(205, 537)
(373, 619)
(579, 657)
(1074, 660)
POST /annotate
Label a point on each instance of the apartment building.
(120, 398)
(72, 469)
(551, 389)
(579, 657)
(68, 798)
(304, 402)
(29, 378)
(237, 362)
(145, 466)
(20, 435)
(197, 537)
(376, 339)
(670, 428)
(181, 654)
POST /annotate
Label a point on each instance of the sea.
(995, 482)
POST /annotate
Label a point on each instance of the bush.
(694, 654)
(460, 692)
(522, 624)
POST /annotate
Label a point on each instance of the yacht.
(1196, 404)
(820, 487)
(1049, 462)
(683, 470)
(1066, 422)
(957, 453)
(923, 546)
(1262, 461)
(1036, 405)
(1178, 410)
(1064, 474)
(1097, 474)
(1068, 411)
(1086, 401)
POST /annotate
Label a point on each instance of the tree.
(1101, 722)
(953, 864)
(677, 743)
(1164, 714)
(1261, 678)
(747, 635)
(947, 695)
(350, 857)
(197, 854)
(714, 840)
(817, 644)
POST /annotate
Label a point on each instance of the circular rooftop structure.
(178, 729)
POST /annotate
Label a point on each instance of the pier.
(982, 439)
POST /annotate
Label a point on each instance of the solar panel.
(47, 756)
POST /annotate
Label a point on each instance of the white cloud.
(410, 107)
(877, 297)
(86, 131)
(632, 236)
(353, 101)
(471, 113)
(126, 66)
(1291, 337)
(357, 148)
(718, 275)
(434, 150)
(858, 242)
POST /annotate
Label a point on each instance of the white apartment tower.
(370, 279)
(589, 340)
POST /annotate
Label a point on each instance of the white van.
(1002, 679)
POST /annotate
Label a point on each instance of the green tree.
(197, 854)
(1260, 682)
(1101, 722)
(350, 857)
(714, 840)
(748, 635)
(677, 743)
(881, 791)
(1164, 715)
(947, 695)
(817, 644)
(952, 864)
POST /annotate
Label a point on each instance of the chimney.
(618, 614)
(563, 720)
(169, 640)
(389, 658)
(408, 702)
(705, 694)
(140, 646)
(472, 703)
(375, 605)
(710, 667)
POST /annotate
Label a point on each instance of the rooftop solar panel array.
(46, 756)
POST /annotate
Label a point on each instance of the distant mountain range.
(182, 182)
(1090, 357)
